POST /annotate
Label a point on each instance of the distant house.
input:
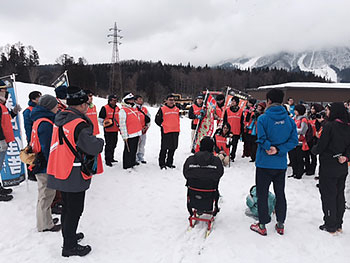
(307, 91)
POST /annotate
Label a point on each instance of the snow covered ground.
(141, 216)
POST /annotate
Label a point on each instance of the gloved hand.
(199, 117)
(16, 109)
(202, 112)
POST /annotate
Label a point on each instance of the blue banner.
(13, 170)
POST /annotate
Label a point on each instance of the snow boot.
(78, 250)
(259, 228)
(5, 198)
(5, 191)
(325, 228)
(279, 228)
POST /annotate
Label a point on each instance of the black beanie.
(110, 97)
(300, 108)
(61, 92)
(2, 84)
(275, 95)
(48, 102)
(207, 144)
(76, 96)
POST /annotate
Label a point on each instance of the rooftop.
(308, 85)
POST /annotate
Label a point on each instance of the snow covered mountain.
(326, 62)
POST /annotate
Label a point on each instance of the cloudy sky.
(174, 31)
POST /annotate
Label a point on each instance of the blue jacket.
(44, 130)
(275, 128)
(28, 123)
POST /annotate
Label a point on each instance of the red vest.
(133, 124)
(245, 122)
(218, 112)
(34, 138)
(234, 119)
(196, 111)
(112, 114)
(171, 119)
(61, 158)
(92, 115)
(6, 124)
(221, 144)
(302, 138)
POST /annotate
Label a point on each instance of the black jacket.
(203, 170)
(193, 116)
(335, 139)
(169, 140)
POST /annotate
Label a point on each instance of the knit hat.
(111, 97)
(275, 95)
(170, 96)
(252, 101)
(301, 109)
(2, 84)
(128, 96)
(207, 144)
(48, 102)
(76, 96)
(236, 99)
(262, 104)
(61, 92)
(200, 96)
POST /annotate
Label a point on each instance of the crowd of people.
(62, 130)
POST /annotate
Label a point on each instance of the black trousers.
(297, 158)
(253, 147)
(167, 154)
(310, 162)
(247, 144)
(129, 153)
(333, 201)
(235, 139)
(72, 209)
(263, 178)
(111, 139)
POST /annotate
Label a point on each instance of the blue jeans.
(263, 178)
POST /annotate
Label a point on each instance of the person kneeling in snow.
(203, 170)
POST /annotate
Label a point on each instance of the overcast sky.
(174, 31)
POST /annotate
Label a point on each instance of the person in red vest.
(73, 154)
(222, 140)
(91, 112)
(196, 113)
(109, 119)
(234, 116)
(43, 116)
(145, 118)
(247, 120)
(130, 130)
(299, 153)
(34, 97)
(6, 136)
(220, 104)
(168, 119)
(61, 96)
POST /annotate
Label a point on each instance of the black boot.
(5, 198)
(78, 250)
(5, 191)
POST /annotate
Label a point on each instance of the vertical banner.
(13, 170)
(62, 80)
(206, 127)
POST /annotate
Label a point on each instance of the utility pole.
(115, 83)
